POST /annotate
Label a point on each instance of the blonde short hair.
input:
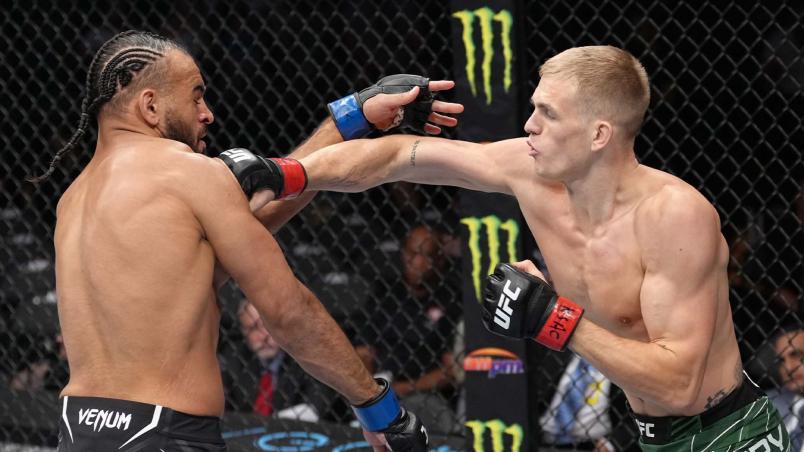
(612, 84)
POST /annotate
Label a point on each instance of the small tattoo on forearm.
(413, 153)
(715, 399)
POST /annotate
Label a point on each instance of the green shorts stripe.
(757, 427)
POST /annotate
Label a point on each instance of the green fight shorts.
(744, 421)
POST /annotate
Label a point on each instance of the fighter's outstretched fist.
(399, 100)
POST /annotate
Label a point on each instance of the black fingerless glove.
(347, 112)
(285, 177)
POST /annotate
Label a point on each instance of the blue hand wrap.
(380, 412)
(348, 116)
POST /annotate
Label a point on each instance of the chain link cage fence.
(726, 79)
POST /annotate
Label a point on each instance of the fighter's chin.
(200, 147)
(541, 172)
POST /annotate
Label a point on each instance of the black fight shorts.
(93, 424)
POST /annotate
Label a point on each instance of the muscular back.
(134, 281)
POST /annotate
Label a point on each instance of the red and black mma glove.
(402, 429)
(519, 305)
(347, 112)
(285, 177)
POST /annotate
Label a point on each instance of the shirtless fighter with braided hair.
(151, 226)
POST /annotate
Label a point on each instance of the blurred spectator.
(261, 378)
(412, 328)
(586, 411)
(267, 353)
(41, 364)
(765, 275)
(789, 397)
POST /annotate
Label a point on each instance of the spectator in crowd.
(412, 328)
(765, 277)
(264, 380)
(40, 363)
(788, 346)
(586, 412)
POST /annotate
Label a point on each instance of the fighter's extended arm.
(291, 312)
(379, 110)
(274, 215)
(361, 164)
(679, 233)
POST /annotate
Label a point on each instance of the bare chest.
(602, 270)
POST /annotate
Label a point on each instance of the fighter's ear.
(148, 106)
(601, 135)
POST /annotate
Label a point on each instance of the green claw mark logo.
(486, 18)
(497, 428)
(493, 226)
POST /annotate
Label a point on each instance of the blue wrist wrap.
(348, 117)
(377, 414)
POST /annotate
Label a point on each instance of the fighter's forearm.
(325, 135)
(306, 330)
(274, 215)
(651, 371)
(358, 165)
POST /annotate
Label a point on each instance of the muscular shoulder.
(206, 178)
(676, 216)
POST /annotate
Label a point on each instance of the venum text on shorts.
(100, 419)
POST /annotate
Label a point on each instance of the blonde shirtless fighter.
(637, 251)
(142, 233)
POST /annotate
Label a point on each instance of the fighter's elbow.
(286, 308)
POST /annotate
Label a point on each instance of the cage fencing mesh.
(725, 81)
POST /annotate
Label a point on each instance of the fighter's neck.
(113, 130)
(603, 193)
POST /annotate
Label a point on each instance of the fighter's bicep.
(242, 246)
(679, 291)
(252, 257)
(492, 167)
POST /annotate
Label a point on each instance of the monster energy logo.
(486, 18)
(493, 226)
(497, 428)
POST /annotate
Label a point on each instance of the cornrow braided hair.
(112, 68)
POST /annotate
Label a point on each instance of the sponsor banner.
(484, 39)
(495, 435)
(496, 383)
(493, 361)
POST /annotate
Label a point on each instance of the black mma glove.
(347, 112)
(285, 177)
(403, 430)
(519, 305)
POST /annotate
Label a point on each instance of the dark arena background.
(725, 116)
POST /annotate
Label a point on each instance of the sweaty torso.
(134, 281)
(603, 271)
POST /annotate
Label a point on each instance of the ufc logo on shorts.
(237, 154)
(502, 315)
(645, 429)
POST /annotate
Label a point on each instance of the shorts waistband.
(136, 418)
(664, 429)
